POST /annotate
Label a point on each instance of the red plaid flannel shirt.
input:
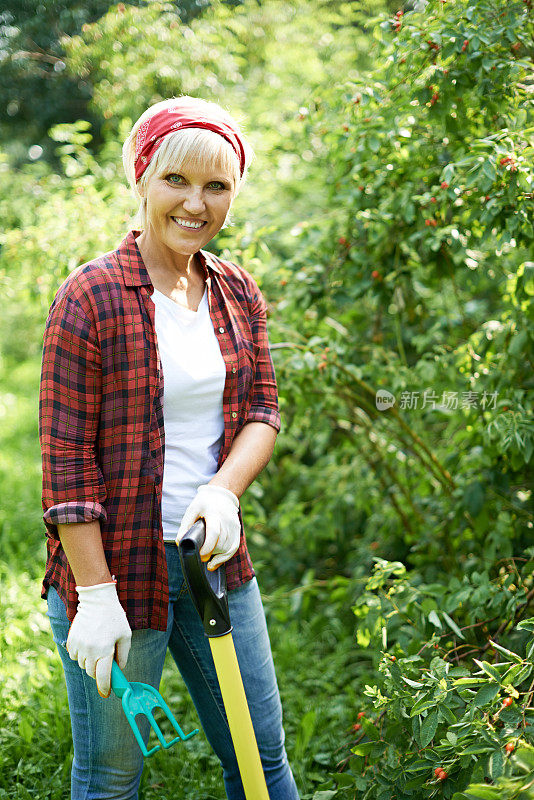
(101, 417)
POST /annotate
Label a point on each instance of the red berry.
(443, 775)
(510, 747)
(444, 185)
(283, 282)
(356, 727)
(437, 771)
(393, 658)
(464, 46)
(375, 275)
(433, 200)
(507, 702)
(361, 714)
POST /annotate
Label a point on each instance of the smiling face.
(187, 208)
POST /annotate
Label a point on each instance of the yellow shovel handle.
(237, 712)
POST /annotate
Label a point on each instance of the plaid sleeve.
(69, 408)
(264, 406)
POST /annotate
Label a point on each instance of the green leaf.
(370, 730)
(489, 170)
(363, 749)
(413, 684)
(468, 682)
(525, 755)
(422, 705)
(324, 795)
(416, 729)
(476, 749)
(489, 669)
(517, 674)
(496, 764)
(452, 625)
(435, 620)
(418, 766)
(486, 694)
(480, 790)
(342, 778)
(428, 728)
(506, 652)
(447, 714)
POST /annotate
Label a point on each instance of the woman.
(158, 406)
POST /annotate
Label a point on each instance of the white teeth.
(187, 223)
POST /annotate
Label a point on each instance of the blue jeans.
(108, 761)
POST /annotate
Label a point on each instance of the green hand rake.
(141, 698)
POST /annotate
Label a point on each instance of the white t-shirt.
(194, 375)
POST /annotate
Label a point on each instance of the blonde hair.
(196, 145)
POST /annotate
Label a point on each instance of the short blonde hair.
(196, 145)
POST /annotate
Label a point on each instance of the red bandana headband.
(152, 132)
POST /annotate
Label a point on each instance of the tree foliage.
(388, 220)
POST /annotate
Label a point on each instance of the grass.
(313, 652)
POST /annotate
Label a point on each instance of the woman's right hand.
(99, 630)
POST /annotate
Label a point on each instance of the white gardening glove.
(99, 628)
(219, 508)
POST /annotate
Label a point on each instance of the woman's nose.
(194, 201)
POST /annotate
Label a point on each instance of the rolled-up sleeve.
(69, 410)
(264, 407)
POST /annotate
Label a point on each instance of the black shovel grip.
(207, 588)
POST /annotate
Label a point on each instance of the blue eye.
(173, 175)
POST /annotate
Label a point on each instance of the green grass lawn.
(313, 653)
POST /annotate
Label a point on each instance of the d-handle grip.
(207, 588)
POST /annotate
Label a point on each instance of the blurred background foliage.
(388, 220)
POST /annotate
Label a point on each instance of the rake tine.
(155, 727)
(170, 716)
(134, 726)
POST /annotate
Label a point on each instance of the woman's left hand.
(219, 507)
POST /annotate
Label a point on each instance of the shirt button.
(221, 330)
(234, 369)
(234, 414)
